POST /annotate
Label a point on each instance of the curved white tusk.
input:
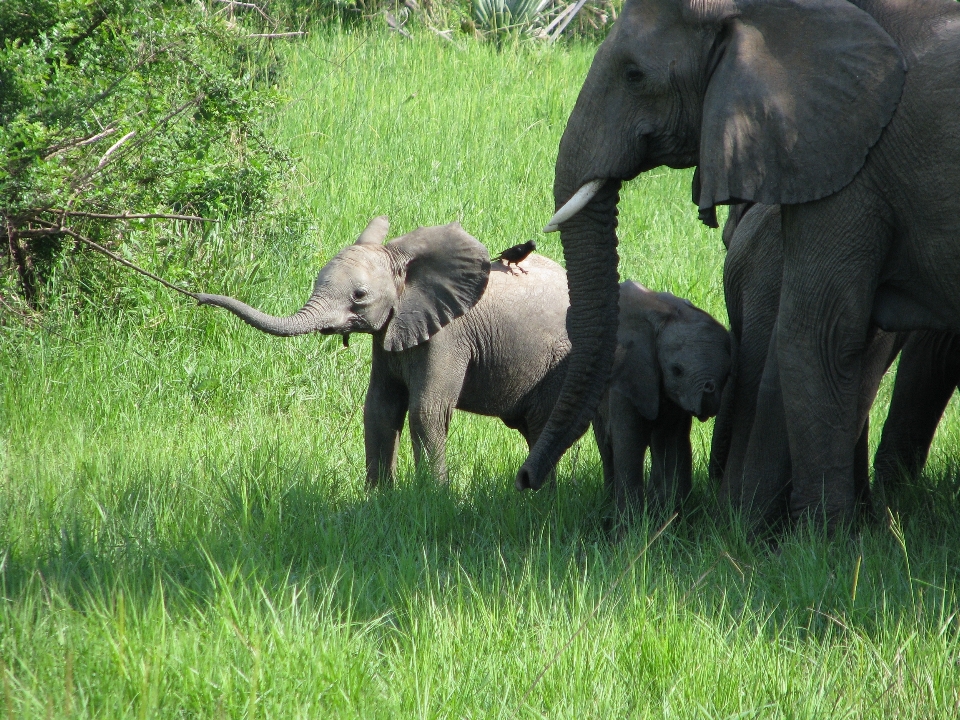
(574, 204)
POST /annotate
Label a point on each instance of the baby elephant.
(671, 363)
(449, 329)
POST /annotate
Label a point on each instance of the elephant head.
(404, 290)
(667, 346)
(774, 101)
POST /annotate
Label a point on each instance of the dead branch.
(253, 6)
(277, 35)
(568, 19)
(129, 216)
(395, 25)
(100, 249)
(57, 150)
(115, 146)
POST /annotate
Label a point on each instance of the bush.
(113, 107)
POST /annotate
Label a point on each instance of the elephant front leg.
(433, 397)
(429, 425)
(384, 411)
(832, 255)
(671, 461)
(629, 436)
(764, 471)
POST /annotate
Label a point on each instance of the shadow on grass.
(276, 521)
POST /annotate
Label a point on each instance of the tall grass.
(184, 530)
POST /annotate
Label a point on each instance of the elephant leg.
(629, 438)
(928, 373)
(861, 472)
(384, 411)
(724, 423)
(432, 401)
(601, 433)
(753, 352)
(765, 481)
(671, 462)
(833, 250)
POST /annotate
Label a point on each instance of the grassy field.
(184, 530)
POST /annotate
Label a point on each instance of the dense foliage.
(124, 106)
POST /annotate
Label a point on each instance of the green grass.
(184, 530)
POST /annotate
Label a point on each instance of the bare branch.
(253, 6)
(129, 216)
(277, 35)
(80, 143)
(100, 249)
(117, 144)
(567, 20)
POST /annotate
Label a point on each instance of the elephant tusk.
(574, 204)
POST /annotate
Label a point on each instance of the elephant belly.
(515, 385)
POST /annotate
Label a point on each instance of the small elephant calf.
(671, 363)
(450, 330)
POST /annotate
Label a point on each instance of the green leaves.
(122, 106)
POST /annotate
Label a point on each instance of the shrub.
(111, 107)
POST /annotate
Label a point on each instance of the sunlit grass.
(184, 529)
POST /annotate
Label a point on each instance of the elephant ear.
(636, 372)
(800, 92)
(375, 232)
(442, 273)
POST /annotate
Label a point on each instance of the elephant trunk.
(590, 248)
(307, 319)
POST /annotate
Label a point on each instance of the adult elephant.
(750, 427)
(848, 116)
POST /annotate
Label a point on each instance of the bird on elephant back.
(844, 114)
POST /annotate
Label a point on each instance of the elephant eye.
(633, 74)
(676, 370)
(360, 293)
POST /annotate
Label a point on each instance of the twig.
(395, 25)
(253, 6)
(129, 216)
(445, 34)
(571, 16)
(277, 35)
(127, 263)
(117, 144)
(80, 143)
(596, 607)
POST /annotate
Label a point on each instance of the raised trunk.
(590, 248)
(307, 319)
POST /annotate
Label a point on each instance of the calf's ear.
(442, 273)
(800, 92)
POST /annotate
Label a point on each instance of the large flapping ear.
(800, 92)
(375, 232)
(636, 371)
(442, 272)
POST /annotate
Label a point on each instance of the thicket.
(132, 125)
(113, 109)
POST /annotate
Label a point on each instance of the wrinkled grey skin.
(449, 329)
(750, 454)
(803, 103)
(671, 363)
(927, 375)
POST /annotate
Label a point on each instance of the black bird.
(517, 254)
